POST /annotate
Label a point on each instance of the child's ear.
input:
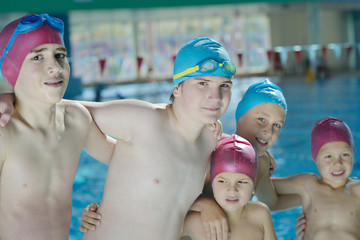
(176, 90)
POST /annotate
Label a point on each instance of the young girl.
(233, 176)
(331, 200)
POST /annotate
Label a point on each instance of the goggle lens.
(208, 66)
(229, 68)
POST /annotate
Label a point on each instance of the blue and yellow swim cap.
(196, 51)
(261, 92)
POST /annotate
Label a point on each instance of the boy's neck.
(185, 126)
(39, 115)
(333, 185)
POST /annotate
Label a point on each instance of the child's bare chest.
(247, 231)
(326, 208)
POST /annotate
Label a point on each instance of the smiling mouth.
(338, 173)
(261, 141)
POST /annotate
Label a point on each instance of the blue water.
(307, 103)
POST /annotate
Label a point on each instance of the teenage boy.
(41, 145)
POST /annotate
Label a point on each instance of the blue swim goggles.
(30, 23)
(209, 66)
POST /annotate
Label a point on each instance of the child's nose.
(53, 67)
(232, 188)
(215, 94)
(267, 129)
(338, 160)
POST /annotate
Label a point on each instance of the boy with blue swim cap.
(202, 56)
(261, 92)
(159, 168)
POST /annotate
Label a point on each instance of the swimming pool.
(307, 103)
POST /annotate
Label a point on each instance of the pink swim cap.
(234, 154)
(22, 45)
(330, 130)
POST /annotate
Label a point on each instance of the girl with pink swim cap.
(233, 175)
(331, 201)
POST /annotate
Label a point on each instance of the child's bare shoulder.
(74, 108)
(305, 178)
(354, 186)
(137, 109)
(74, 112)
(258, 208)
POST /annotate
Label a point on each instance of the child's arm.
(265, 191)
(6, 107)
(193, 227)
(292, 185)
(118, 118)
(213, 218)
(99, 145)
(269, 231)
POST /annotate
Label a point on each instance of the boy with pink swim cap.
(233, 177)
(41, 144)
(331, 202)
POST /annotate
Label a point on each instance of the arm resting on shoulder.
(6, 107)
(120, 117)
(99, 145)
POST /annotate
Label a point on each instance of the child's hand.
(216, 128)
(272, 164)
(90, 218)
(300, 226)
(215, 223)
(6, 108)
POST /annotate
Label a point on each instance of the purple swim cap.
(330, 130)
(22, 45)
(234, 154)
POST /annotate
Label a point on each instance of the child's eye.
(37, 58)
(277, 125)
(225, 85)
(221, 181)
(203, 83)
(60, 55)
(243, 182)
(261, 119)
(327, 156)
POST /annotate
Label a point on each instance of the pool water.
(307, 103)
